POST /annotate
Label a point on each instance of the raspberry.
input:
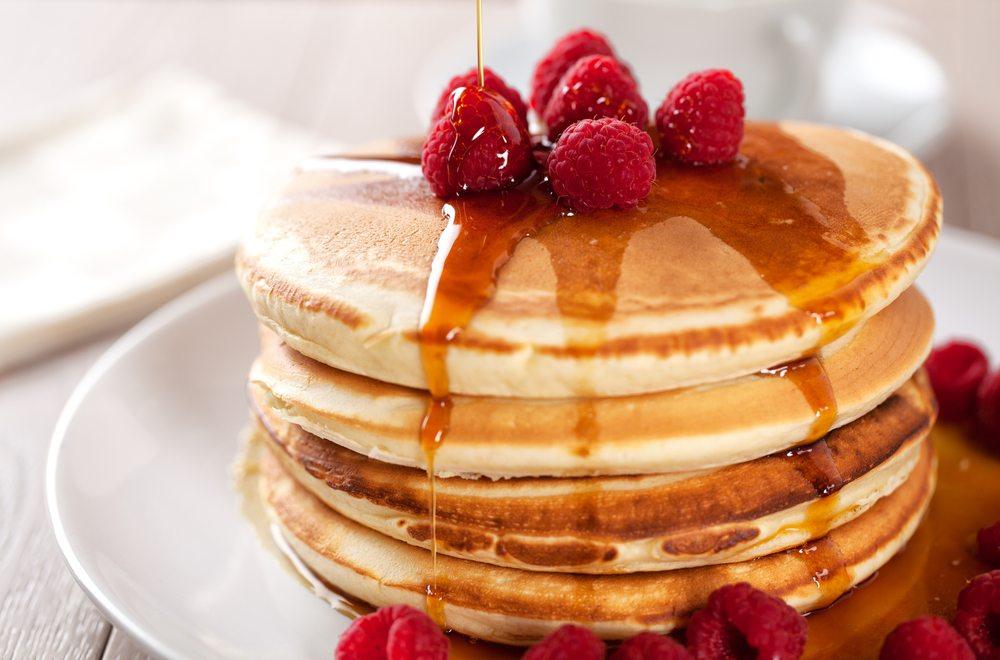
(988, 412)
(492, 81)
(978, 615)
(650, 646)
(479, 144)
(701, 119)
(594, 87)
(399, 632)
(988, 540)
(560, 58)
(742, 622)
(602, 163)
(926, 638)
(956, 370)
(568, 642)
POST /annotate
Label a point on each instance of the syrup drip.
(926, 576)
(821, 471)
(479, 238)
(810, 377)
(587, 265)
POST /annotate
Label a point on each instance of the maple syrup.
(480, 235)
(820, 243)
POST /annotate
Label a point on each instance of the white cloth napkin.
(134, 194)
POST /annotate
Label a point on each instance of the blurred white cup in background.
(774, 46)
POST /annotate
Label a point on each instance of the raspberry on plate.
(480, 143)
(956, 369)
(561, 57)
(471, 79)
(650, 646)
(602, 164)
(740, 621)
(926, 638)
(988, 412)
(988, 542)
(596, 86)
(701, 119)
(568, 642)
(399, 632)
(978, 615)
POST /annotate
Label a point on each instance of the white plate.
(141, 496)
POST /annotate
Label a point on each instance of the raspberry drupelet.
(480, 144)
(978, 615)
(492, 81)
(650, 646)
(595, 87)
(399, 632)
(568, 642)
(701, 119)
(742, 622)
(988, 412)
(602, 164)
(956, 370)
(926, 638)
(560, 58)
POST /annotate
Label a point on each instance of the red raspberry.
(479, 144)
(560, 58)
(596, 86)
(978, 616)
(602, 163)
(399, 632)
(568, 642)
(956, 369)
(742, 622)
(471, 79)
(650, 646)
(988, 540)
(926, 638)
(988, 412)
(701, 120)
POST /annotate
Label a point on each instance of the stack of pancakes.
(723, 385)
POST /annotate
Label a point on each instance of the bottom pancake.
(519, 607)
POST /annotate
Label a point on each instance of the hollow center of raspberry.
(737, 646)
(992, 626)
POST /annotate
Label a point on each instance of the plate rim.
(218, 286)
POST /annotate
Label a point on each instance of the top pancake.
(723, 272)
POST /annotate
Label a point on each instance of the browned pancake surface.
(561, 523)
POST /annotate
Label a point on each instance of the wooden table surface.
(304, 62)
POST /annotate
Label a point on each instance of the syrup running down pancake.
(722, 273)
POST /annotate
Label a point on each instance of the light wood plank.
(121, 647)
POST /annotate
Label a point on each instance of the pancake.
(519, 607)
(722, 273)
(621, 524)
(681, 430)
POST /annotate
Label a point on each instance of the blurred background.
(137, 138)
